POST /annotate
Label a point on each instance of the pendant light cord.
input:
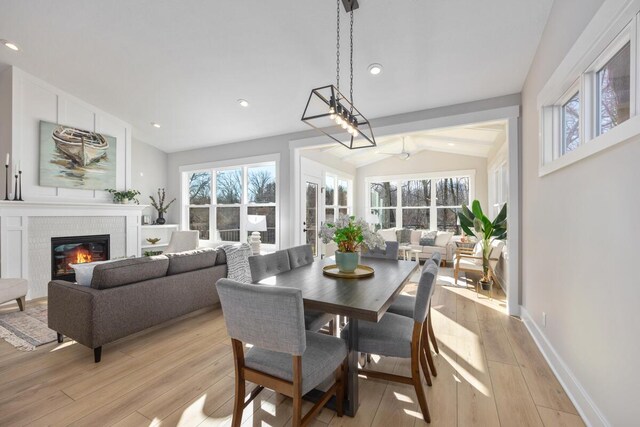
(338, 46)
(351, 64)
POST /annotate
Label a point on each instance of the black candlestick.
(6, 182)
(20, 186)
(15, 191)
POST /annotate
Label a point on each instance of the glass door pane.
(311, 215)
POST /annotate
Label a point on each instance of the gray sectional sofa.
(133, 294)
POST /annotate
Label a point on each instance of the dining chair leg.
(432, 335)
(296, 418)
(238, 401)
(340, 380)
(425, 368)
(417, 383)
(426, 350)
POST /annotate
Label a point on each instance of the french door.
(310, 209)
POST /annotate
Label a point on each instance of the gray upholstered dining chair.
(404, 306)
(399, 336)
(389, 252)
(284, 356)
(299, 256)
(263, 266)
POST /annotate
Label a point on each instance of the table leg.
(352, 376)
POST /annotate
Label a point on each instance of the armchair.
(470, 259)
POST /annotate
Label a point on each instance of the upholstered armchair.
(470, 259)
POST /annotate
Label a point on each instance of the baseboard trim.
(590, 413)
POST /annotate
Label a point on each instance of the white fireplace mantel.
(14, 227)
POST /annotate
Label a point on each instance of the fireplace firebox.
(76, 250)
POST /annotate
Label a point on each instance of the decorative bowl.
(153, 240)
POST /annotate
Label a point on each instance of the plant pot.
(347, 262)
(486, 286)
(160, 219)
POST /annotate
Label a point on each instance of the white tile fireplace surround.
(26, 229)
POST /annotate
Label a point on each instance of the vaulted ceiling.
(185, 64)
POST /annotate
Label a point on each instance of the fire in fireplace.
(76, 250)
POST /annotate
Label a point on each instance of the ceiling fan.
(402, 155)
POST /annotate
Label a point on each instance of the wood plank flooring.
(490, 373)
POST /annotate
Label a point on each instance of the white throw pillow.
(84, 271)
(496, 249)
(443, 238)
(415, 237)
(389, 234)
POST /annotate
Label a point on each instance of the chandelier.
(332, 113)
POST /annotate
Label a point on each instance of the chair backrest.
(269, 317)
(436, 257)
(300, 255)
(183, 241)
(496, 249)
(389, 252)
(263, 266)
(425, 290)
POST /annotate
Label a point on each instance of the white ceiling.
(184, 64)
(477, 140)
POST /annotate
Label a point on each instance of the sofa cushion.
(130, 270)
(415, 237)
(428, 238)
(181, 262)
(403, 236)
(222, 256)
(389, 234)
(443, 238)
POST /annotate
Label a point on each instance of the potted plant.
(475, 223)
(159, 205)
(125, 196)
(350, 234)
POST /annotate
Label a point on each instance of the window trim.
(244, 164)
(433, 208)
(610, 30)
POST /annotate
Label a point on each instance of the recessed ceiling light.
(243, 102)
(451, 144)
(375, 69)
(10, 45)
(155, 125)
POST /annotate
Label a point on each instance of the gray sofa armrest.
(71, 310)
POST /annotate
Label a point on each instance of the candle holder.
(6, 182)
(15, 189)
(20, 186)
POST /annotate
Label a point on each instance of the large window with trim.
(599, 97)
(218, 201)
(337, 197)
(429, 202)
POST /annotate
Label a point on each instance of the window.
(415, 207)
(613, 90)
(571, 124)
(337, 200)
(598, 95)
(239, 191)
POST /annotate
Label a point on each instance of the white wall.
(423, 162)
(34, 100)
(580, 244)
(148, 173)
(409, 122)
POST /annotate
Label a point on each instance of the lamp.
(332, 113)
(256, 224)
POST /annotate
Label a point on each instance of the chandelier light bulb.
(343, 124)
(355, 133)
(338, 120)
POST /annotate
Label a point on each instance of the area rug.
(26, 330)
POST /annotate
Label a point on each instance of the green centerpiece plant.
(350, 234)
(475, 223)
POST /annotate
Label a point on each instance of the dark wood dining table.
(357, 299)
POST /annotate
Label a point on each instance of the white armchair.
(470, 260)
(183, 241)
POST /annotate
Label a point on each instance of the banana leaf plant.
(475, 223)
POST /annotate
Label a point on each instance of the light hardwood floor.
(489, 373)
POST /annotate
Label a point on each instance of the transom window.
(422, 202)
(220, 199)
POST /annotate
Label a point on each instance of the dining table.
(362, 299)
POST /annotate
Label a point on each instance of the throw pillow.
(415, 237)
(238, 268)
(403, 236)
(84, 271)
(443, 238)
(428, 238)
(389, 235)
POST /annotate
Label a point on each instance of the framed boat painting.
(76, 158)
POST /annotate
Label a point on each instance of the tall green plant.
(475, 223)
